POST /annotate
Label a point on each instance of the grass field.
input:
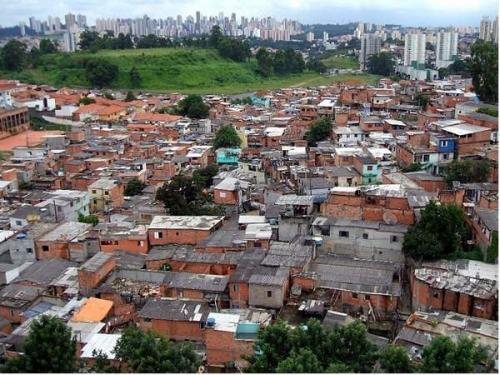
(340, 62)
(185, 70)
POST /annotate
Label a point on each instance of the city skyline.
(411, 13)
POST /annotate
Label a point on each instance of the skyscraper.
(485, 29)
(446, 48)
(414, 53)
(494, 31)
(69, 20)
(81, 20)
(370, 45)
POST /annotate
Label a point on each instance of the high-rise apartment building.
(69, 20)
(370, 45)
(414, 53)
(485, 29)
(446, 48)
(81, 20)
(494, 31)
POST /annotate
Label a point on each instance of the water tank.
(210, 322)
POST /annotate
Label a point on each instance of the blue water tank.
(210, 322)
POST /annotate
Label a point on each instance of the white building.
(446, 48)
(370, 45)
(414, 53)
(485, 29)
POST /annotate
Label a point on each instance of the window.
(426, 157)
(435, 294)
(257, 244)
(325, 231)
(158, 235)
(29, 250)
(71, 204)
(45, 248)
(94, 191)
(269, 294)
(367, 297)
(445, 156)
(147, 319)
(222, 194)
(344, 233)
(18, 222)
(394, 238)
(369, 167)
(140, 243)
(355, 295)
(235, 287)
(444, 143)
(59, 208)
(365, 236)
(106, 193)
(176, 233)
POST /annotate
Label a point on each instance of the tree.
(311, 347)
(215, 36)
(423, 101)
(89, 219)
(193, 107)
(274, 343)
(234, 49)
(89, 39)
(443, 355)
(134, 187)
(47, 46)
(279, 62)
(102, 364)
(49, 347)
(484, 69)
(492, 250)
(300, 361)
(413, 167)
(441, 232)
(395, 359)
(467, 171)
(319, 131)
(316, 65)
(149, 352)
(134, 77)
(383, 64)
(183, 196)
(226, 136)
(460, 67)
(101, 73)
(351, 347)
(14, 55)
(264, 62)
(130, 96)
(86, 100)
(203, 177)
(488, 111)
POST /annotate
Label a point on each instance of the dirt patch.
(29, 138)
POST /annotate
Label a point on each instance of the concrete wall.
(258, 296)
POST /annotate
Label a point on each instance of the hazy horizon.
(429, 13)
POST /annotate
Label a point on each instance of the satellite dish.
(389, 218)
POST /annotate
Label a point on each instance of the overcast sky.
(405, 12)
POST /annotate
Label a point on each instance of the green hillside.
(340, 62)
(169, 69)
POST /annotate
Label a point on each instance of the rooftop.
(185, 222)
(178, 310)
(93, 310)
(465, 129)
